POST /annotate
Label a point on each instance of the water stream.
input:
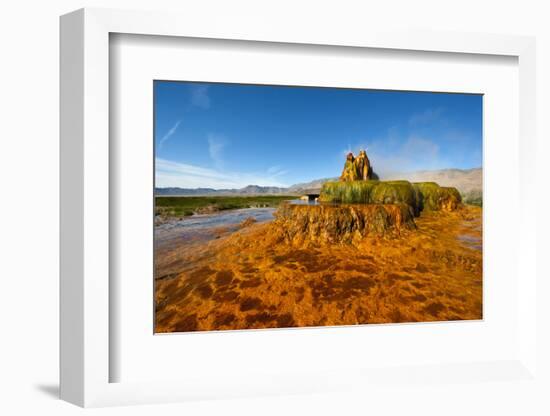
(205, 227)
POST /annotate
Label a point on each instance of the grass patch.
(180, 206)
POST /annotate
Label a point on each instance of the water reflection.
(303, 202)
(205, 227)
(471, 241)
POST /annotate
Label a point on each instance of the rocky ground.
(257, 278)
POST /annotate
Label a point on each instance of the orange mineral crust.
(296, 272)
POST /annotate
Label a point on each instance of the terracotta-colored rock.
(357, 168)
(363, 167)
(345, 223)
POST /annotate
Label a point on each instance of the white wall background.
(29, 210)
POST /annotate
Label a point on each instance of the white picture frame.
(85, 211)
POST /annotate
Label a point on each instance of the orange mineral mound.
(341, 223)
(260, 277)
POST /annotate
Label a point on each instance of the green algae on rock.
(356, 186)
(356, 206)
(418, 196)
(357, 168)
(432, 197)
(350, 169)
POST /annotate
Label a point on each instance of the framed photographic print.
(268, 211)
(266, 218)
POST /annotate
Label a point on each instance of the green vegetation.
(432, 197)
(179, 206)
(473, 198)
(392, 192)
(369, 192)
(419, 196)
(346, 192)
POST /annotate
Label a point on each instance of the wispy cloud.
(169, 134)
(216, 145)
(390, 156)
(415, 153)
(347, 150)
(353, 149)
(276, 170)
(428, 116)
(175, 174)
(200, 97)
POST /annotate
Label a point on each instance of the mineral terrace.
(368, 252)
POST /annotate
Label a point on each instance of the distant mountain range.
(467, 181)
(247, 190)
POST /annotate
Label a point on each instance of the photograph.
(280, 206)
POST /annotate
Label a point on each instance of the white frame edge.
(71, 346)
(84, 154)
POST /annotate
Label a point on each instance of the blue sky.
(231, 135)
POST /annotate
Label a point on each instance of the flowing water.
(303, 202)
(205, 227)
(471, 241)
(472, 235)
